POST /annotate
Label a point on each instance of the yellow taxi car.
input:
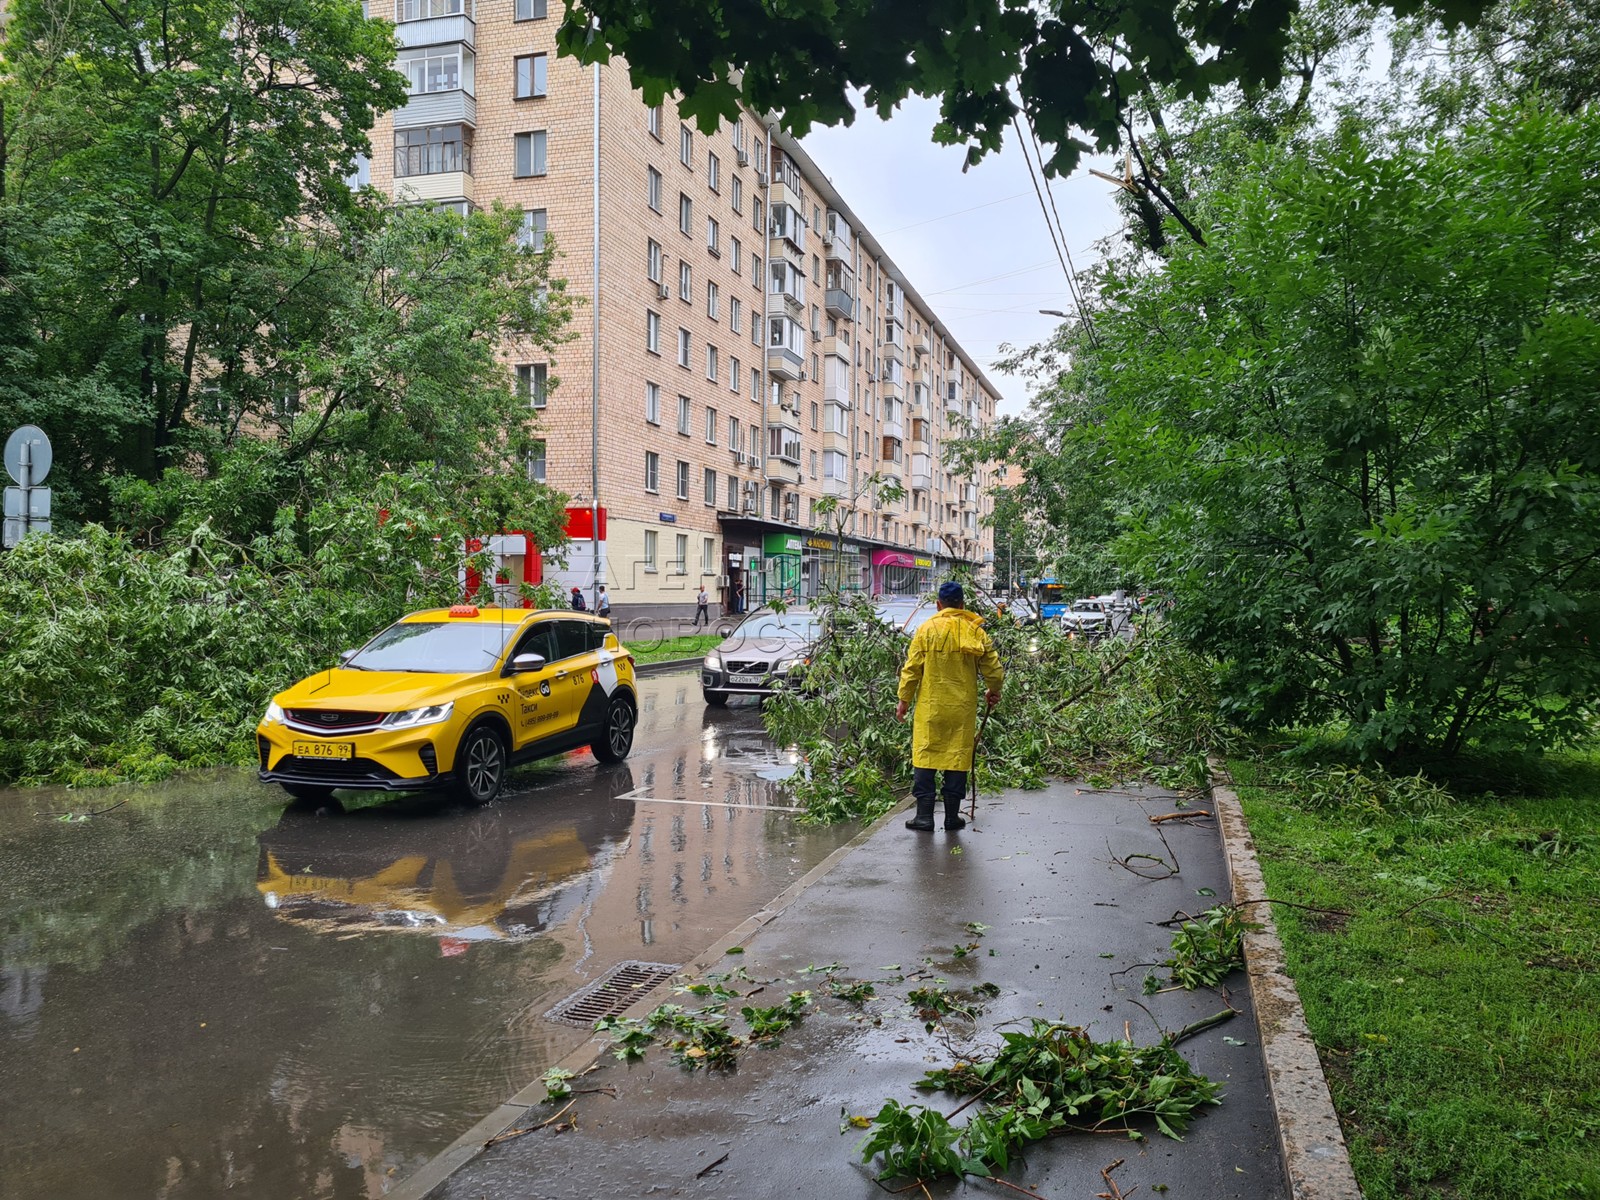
(453, 698)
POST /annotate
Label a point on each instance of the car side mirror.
(724, 631)
(346, 655)
(525, 662)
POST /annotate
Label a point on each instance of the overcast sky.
(974, 246)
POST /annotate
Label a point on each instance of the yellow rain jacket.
(948, 652)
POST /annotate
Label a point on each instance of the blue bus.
(1051, 598)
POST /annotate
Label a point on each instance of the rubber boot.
(952, 813)
(923, 821)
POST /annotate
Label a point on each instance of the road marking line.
(634, 795)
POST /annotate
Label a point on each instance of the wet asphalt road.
(201, 991)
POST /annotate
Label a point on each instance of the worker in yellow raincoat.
(948, 653)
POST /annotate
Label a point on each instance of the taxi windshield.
(793, 626)
(442, 647)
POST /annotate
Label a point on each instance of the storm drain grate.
(615, 991)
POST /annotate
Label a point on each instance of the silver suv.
(760, 654)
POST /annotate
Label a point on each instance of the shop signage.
(781, 543)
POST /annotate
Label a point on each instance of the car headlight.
(273, 715)
(413, 717)
(713, 662)
(788, 664)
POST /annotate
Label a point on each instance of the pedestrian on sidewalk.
(578, 603)
(602, 604)
(948, 653)
(702, 609)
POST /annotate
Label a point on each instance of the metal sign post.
(27, 506)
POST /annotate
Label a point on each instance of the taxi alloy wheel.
(616, 735)
(480, 765)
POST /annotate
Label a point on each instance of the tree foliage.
(1357, 433)
(1070, 66)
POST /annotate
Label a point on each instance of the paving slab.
(1071, 934)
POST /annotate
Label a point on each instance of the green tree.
(1357, 434)
(156, 158)
(1070, 66)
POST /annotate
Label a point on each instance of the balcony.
(838, 238)
(437, 108)
(889, 387)
(781, 470)
(782, 415)
(894, 350)
(894, 427)
(835, 388)
(787, 186)
(834, 441)
(437, 31)
(840, 303)
(444, 185)
(921, 480)
(835, 487)
(783, 363)
(838, 346)
(919, 438)
(785, 304)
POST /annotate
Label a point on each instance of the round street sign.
(39, 458)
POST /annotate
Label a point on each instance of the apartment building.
(750, 368)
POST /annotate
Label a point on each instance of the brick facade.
(880, 427)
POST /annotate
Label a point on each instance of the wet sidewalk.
(1070, 935)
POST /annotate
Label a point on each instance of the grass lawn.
(693, 646)
(1457, 1006)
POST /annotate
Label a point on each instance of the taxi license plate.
(323, 749)
(746, 678)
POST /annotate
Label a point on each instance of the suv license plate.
(746, 678)
(323, 749)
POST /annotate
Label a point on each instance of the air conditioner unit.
(738, 457)
(749, 504)
(804, 376)
(816, 335)
(742, 156)
(751, 487)
(791, 507)
(663, 290)
(827, 239)
(761, 179)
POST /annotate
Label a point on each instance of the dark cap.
(950, 593)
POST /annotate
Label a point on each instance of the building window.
(733, 434)
(532, 10)
(652, 471)
(683, 480)
(652, 120)
(650, 536)
(531, 383)
(734, 376)
(653, 188)
(813, 474)
(536, 462)
(712, 298)
(685, 282)
(755, 328)
(755, 374)
(755, 270)
(814, 414)
(683, 347)
(737, 194)
(711, 426)
(686, 146)
(711, 363)
(530, 154)
(653, 260)
(713, 237)
(531, 75)
(652, 403)
(757, 217)
(683, 415)
(711, 490)
(708, 546)
(685, 214)
(535, 222)
(738, 256)
(735, 315)
(733, 492)
(432, 69)
(680, 560)
(433, 150)
(652, 332)
(713, 172)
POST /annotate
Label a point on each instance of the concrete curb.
(471, 1143)
(666, 667)
(1314, 1153)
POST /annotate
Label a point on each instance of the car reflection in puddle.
(423, 865)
